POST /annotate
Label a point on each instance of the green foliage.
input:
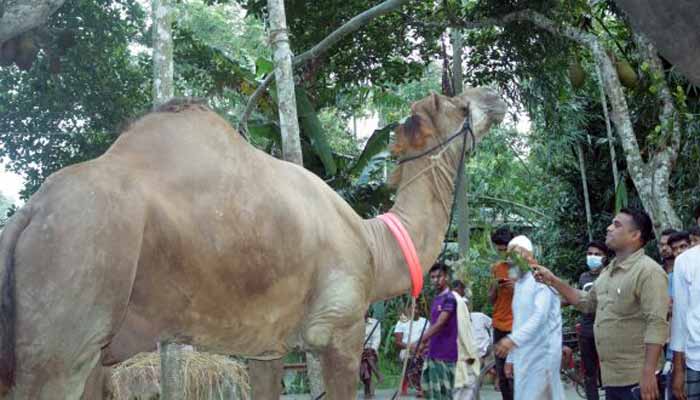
(378, 54)
(48, 121)
(310, 124)
(5, 206)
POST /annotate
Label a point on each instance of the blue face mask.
(594, 262)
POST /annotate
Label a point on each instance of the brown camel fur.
(184, 231)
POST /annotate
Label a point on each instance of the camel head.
(436, 118)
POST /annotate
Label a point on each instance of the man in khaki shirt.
(630, 301)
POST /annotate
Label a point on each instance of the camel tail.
(8, 242)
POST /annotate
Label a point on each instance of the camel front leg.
(97, 385)
(266, 378)
(341, 363)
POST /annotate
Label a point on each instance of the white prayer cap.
(521, 241)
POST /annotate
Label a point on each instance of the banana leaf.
(311, 127)
(376, 143)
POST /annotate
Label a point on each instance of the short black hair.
(438, 266)
(668, 232)
(502, 236)
(695, 230)
(598, 245)
(696, 213)
(458, 284)
(641, 221)
(678, 237)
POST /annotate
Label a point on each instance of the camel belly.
(238, 308)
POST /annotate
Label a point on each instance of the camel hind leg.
(341, 363)
(74, 269)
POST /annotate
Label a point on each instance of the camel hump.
(180, 104)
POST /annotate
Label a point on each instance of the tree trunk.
(584, 182)
(289, 125)
(611, 138)
(457, 53)
(171, 382)
(462, 206)
(163, 89)
(171, 372)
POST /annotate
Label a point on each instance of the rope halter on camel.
(441, 171)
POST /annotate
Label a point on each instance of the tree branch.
(611, 83)
(351, 26)
(22, 16)
(669, 114)
(510, 202)
(252, 102)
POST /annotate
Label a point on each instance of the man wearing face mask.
(596, 258)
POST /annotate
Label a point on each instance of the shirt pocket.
(623, 299)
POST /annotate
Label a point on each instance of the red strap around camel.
(408, 250)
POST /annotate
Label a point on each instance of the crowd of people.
(638, 330)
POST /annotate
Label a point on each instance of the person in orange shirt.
(501, 296)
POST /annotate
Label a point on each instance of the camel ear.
(435, 102)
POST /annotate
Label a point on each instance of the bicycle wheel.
(482, 377)
(570, 375)
(580, 390)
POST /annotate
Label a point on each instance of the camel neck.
(423, 202)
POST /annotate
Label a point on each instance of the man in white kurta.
(535, 344)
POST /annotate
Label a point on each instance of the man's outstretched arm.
(584, 301)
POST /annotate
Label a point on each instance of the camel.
(183, 231)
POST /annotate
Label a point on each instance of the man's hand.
(412, 347)
(508, 370)
(543, 275)
(648, 388)
(678, 383)
(504, 346)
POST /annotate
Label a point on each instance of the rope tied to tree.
(279, 35)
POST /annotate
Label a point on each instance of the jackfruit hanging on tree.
(626, 73)
(576, 74)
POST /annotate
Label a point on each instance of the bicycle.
(573, 368)
(485, 369)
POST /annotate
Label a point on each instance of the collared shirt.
(375, 340)
(630, 300)
(685, 329)
(443, 345)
